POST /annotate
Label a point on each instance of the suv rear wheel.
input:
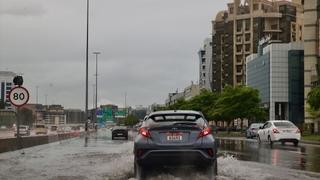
(212, 170)
(139, 171)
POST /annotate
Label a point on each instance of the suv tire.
(139, 171)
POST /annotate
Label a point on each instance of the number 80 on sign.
(19, 96)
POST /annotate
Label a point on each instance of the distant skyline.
(148, 48)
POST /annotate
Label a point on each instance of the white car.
(23, 131)
(279, 131)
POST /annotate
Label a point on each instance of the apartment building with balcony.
(238, 29)
(311, 53)
(205, 64)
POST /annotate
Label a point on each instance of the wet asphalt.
(304, 157)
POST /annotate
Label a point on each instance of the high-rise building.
(6, 83)
(205, 64)
(311, 52)
(238, 30)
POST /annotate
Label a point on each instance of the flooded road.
(303, 157)
(99, 158)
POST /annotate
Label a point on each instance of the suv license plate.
(174, 138)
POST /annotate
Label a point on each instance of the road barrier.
(12, 144)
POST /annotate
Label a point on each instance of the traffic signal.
(18, 80)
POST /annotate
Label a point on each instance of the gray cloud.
(148, 48)
(21, 8)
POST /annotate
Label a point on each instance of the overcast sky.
(148, 47)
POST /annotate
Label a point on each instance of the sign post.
(18, 97)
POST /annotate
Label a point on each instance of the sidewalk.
(310, 142)
(241, 138)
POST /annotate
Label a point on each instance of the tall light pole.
(87, 79)
(96, 103)
(46, 99)
(37, 97)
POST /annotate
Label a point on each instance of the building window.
(239, 48)
(239, 59)
(203, 60)
(247, 37)
(239, 69)
(239, 25)
(231, 10)
(247, 47)
(274, 26)
(204, 74)
(247, 22)
(239, 38)
(203, 67)
(255, 7)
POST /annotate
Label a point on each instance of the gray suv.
(175, 138)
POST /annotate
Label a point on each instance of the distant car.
(41, 129)
(119, 131)
(279, 131)
(60, 129)
(175, 138)
(54, 128)
(23, 131)
(253, 129)
(67, 129)
(3, 127)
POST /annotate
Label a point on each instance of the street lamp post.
(37, 89)
(96, 100)
(87, 79)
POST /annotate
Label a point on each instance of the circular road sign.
(19, 96)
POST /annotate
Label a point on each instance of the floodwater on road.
(303, 157)
(98, 157)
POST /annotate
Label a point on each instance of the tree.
(131, 120)
(313, 100)
(239, 102)
(204, 102)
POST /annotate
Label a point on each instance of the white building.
(205, 64)
(277, 72)
(188, 93)
(6, 83)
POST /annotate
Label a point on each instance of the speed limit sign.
(19, 96)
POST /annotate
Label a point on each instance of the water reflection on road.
(303, 157)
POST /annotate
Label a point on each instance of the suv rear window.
(283, 124)
(175, 117)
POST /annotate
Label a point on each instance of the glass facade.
(296, 86)
(258, 77)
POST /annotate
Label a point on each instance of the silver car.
(175, 138)
(253, 129)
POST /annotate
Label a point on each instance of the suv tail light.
(275, 131)
(144, 132)
(205, 132)
(298, 131)
(210, 152)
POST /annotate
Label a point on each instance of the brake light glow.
(205, 132)
(298, 131)
(144, 132)
(275, 131)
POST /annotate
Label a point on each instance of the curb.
(310, 142)
(244, 139)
